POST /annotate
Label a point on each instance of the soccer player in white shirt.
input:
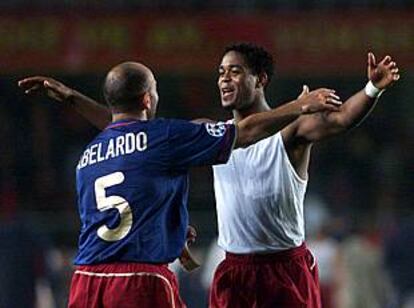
(260, 191)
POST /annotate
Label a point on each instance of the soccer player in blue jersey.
(132, 186)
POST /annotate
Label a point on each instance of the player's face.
(236, 82)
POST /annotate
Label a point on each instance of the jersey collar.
(119, 123)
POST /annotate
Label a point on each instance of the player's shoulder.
(178, 124)
(186, 127)
(147, 125)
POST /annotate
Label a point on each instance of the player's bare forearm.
(316, 127)
(353, 111)
(381, 76)
(262, 125)
(96, 113)
(265, 124)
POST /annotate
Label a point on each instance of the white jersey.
(259, 199)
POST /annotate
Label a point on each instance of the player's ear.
(262, 80)
(146, 101)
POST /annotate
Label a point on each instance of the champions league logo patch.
(216, 129)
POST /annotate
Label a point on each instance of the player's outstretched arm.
(262, 125)
(91, 110)
(354, 111)
(381, 76)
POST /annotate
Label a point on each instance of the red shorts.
(126, 285)
(287, 279)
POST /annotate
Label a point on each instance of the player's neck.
(257, 107)
(140, 115)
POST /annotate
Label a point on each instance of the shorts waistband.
(279, 256)
(121, 267)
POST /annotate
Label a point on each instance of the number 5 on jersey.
(105, 203)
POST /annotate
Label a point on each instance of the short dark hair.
(124, 85)
(258, 59)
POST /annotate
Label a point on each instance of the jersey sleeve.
(192, 144)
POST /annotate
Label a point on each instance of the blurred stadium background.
(360, 198)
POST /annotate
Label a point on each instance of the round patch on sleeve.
(216, 129)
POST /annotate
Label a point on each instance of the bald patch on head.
(125, 84)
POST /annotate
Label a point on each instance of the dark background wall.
(362, 179)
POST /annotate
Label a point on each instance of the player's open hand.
(384, 73)
(186, 259)
(191, 235)
(40, 85)
(318, 100)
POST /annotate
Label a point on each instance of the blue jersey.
(132, 185)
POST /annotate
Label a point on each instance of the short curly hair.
(258, 59)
